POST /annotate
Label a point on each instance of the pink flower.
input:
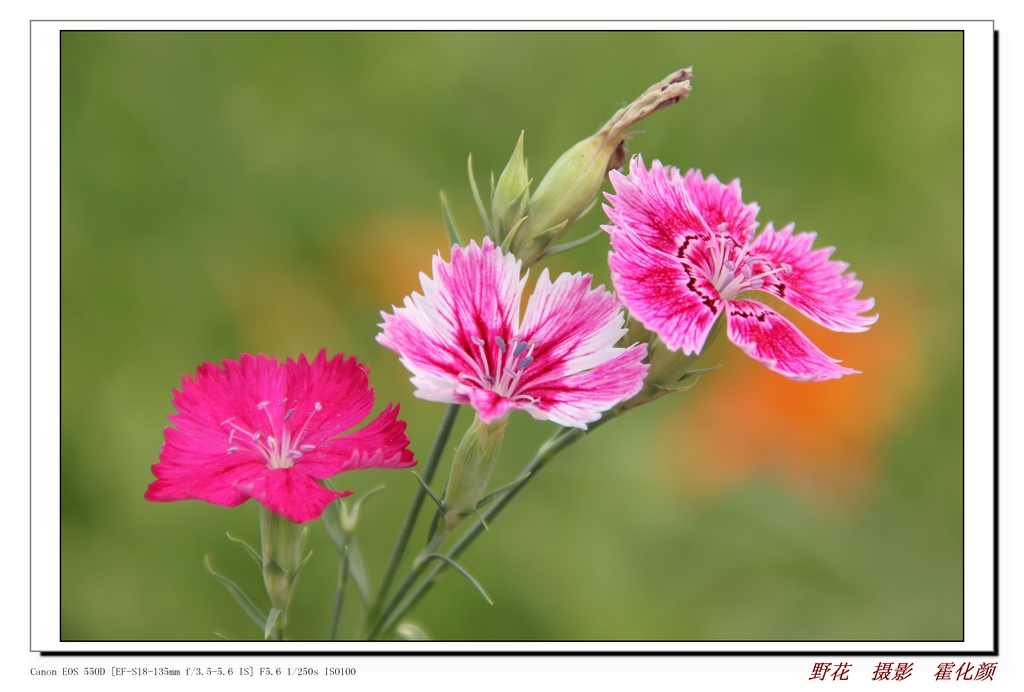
(463, 342)
(684, 252)
(266, 431)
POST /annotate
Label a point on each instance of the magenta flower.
(267, 431)
(463, 342)
(684, 252)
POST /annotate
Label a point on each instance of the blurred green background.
(272, 192)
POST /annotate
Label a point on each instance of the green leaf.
(331, 519)
(243, 600)
(574, 244)
(492, 496)
(357, 570)
(433, 496)
(461, 570)
(449, 222)
(479, 202)
(249, 549)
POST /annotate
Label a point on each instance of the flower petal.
(581, 398)
(667, 295)
(326, 397)
(718, 204)
(654, 205)
(452, 327)
(291, 494)
(572, 327)
(217, 395)
(490, 406)
(813, 284)
(770, 338)
(184, 476)
(381, 444)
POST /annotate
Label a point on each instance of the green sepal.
(449, 222)
(698, 372)
(461, 570)
(492, 496)
(573, 244)
(479, 202)
(411, 633)
(247, 605)
(433, 496)
(271, 621)
(533, 248)
(249, 549)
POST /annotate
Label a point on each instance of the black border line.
(717, 653)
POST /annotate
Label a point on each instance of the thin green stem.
(402, 542)
(339, 598)
(559, 441)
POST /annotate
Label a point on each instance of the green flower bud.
(282, 542)
(570, 188)
(474, 462)
(511, 195)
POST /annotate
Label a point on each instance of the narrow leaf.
(331, 518)
(492, 496)
(449, 222)
(433, 496)
(474, 513)
(357, 570)
(695, 373)
(507, 243)
(243, 600)
(574, 244)
(479, 202)
(461, 570)
(249, 549)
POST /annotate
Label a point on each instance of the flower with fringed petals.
(464, 343)
(684, 251)
(255, 428)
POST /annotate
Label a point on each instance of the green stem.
(559, 441)
(339, 598)
(440, 440)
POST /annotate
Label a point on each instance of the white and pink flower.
(464, 343)
(685, 251)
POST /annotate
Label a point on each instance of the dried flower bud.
(570, 187)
